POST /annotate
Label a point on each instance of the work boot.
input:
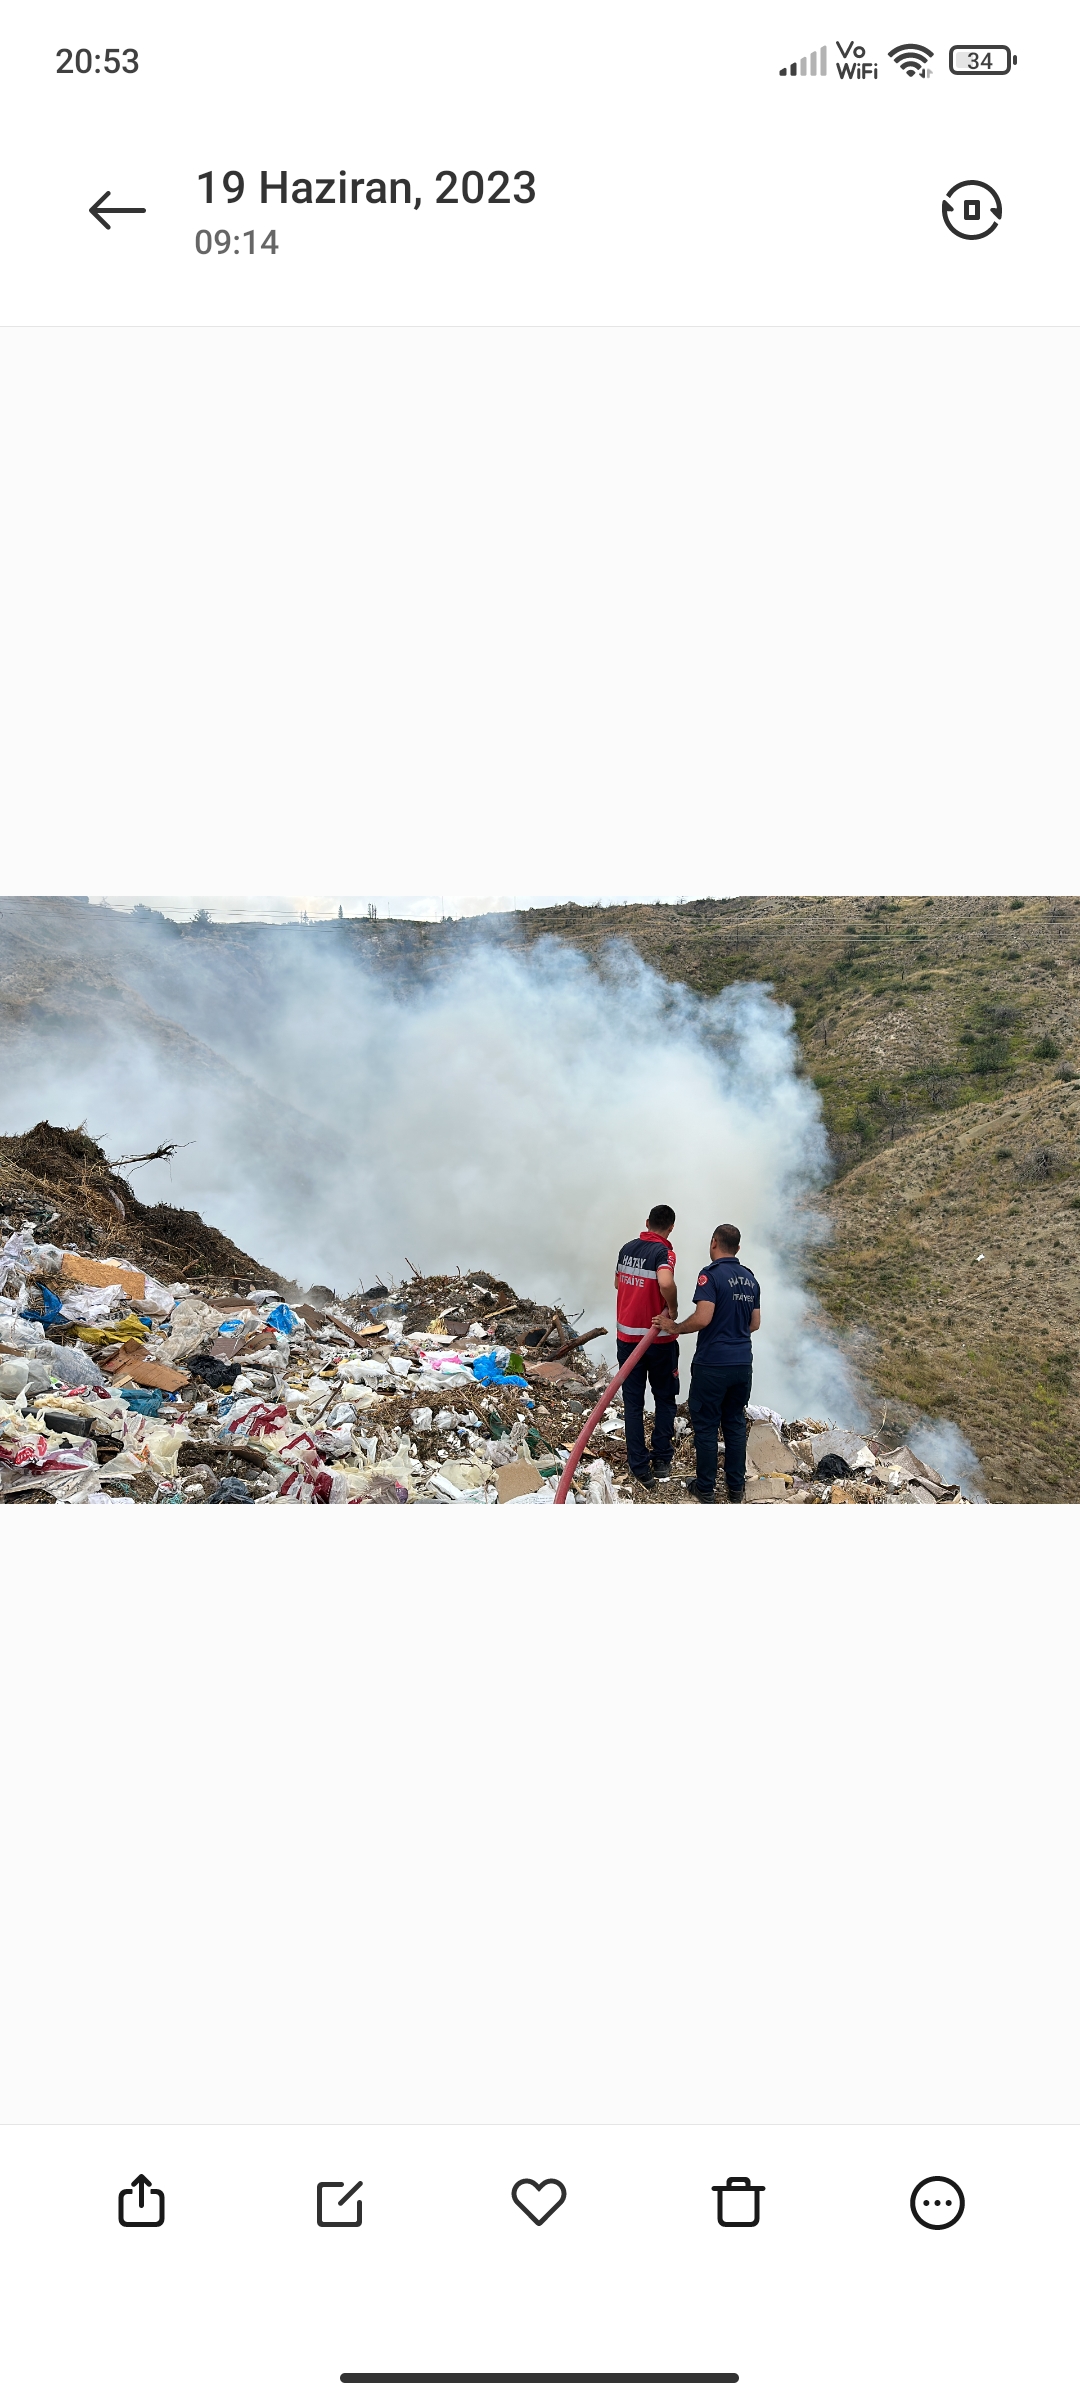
(734, 1497)
(700, 1491)
(662, 1469)
(648, 1478)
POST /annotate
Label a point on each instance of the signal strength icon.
(912, 57)
(815, 64)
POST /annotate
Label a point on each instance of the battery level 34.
(982, 58)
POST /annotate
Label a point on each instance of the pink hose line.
(591, 1423)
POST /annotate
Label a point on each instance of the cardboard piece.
(312, 1317)
(131, 1365)
(520, 1476)
(767, 1454)
(905, 1462)
(767, 1487)
(102, 1271)
(128, 1353)
(552, 1373)
(154, 1376)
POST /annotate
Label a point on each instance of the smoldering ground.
(519, 1111)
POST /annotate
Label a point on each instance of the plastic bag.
(21, 1333)
(232, 1491)
(156, 1298)
(95, 1304)
(487, 1370)
(601, 1483)
(71, 1365)
(163, 1446)
(284, 1318)
(48, 1310)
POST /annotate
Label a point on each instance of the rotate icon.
(972, 210)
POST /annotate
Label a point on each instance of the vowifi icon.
(853, 65)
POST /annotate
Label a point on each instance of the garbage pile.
(117, 1389)
(808, 1460)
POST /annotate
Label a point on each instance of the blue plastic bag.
(49, 1310)
(282, 1316)
(486, 1371)
(147, 1403)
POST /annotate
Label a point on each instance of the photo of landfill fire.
(326, 1207)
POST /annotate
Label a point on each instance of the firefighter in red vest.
(645, 1288)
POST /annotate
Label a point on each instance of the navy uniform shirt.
(735, 1293)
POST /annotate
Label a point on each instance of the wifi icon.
(912, 57)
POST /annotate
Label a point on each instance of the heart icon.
(539, 2200)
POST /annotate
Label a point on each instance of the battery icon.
(992, 59)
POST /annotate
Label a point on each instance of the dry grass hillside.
(905, 1008)
(954, 1270)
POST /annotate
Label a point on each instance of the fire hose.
(591, 1423)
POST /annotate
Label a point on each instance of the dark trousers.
(718, 1397)
(660, 1368)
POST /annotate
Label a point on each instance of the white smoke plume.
(515, 1112)
(941, 1445)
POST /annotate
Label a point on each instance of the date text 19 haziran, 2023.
(498, 186)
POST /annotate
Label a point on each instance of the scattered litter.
(231, 1492)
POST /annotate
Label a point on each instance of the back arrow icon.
(99, 210)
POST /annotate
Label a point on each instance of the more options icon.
(972, 210)
(937, 2202)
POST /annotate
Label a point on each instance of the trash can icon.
(738, 2201)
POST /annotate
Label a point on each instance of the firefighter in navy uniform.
(646, 1295)
(727, 1312)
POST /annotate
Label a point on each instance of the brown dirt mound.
(58, 1176)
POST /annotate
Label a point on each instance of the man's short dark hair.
(661, 1219)
(728, 1237)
